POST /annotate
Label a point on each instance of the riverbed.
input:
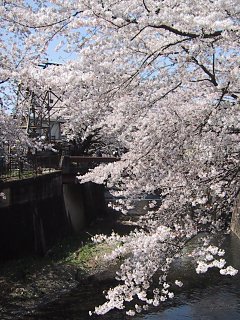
(203, 297)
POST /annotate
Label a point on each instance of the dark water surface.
(205, 297)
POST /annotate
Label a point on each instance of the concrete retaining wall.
(235, 224)
(32, 216)
(38, 211)
(31, 190)
(84, 203)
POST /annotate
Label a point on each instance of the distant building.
(55, 130)
(48, 130)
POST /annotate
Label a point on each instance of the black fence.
(12, 167)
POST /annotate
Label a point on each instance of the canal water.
(203, 297)
(210, 296)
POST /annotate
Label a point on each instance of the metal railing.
(12, 167)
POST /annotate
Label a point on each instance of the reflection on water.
(214, 303)
(203, 297)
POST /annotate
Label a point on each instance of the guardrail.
(19, 168)
(13, 167)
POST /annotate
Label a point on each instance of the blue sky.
(60, 56)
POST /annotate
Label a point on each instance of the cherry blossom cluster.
(160, 79)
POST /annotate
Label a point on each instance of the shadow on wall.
(38, 212)
(235, 224)
(84, 203)
(31, 228)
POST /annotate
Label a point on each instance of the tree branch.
(166, 93)
(190, 35)
(145, 6)
(202, 125)
(43, 26)
(211, 76)
(3, 81)
(186, 34)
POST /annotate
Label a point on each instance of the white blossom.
(178, 283)
(229, 271)
(159, 80)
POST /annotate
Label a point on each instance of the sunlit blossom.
(160, 82)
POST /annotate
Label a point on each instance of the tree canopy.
(161, 78)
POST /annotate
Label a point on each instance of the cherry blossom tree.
(11, 135)
(161, 78)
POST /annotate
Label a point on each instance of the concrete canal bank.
(39, 210)
(235, 224)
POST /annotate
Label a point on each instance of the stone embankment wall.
(235, 224)
(38, 211)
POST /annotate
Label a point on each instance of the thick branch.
(186, 34)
